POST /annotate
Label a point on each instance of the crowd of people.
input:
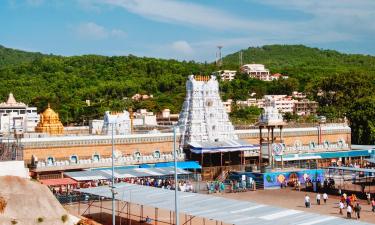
(232, 187)
(348, 202)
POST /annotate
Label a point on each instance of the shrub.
(64, 218)
(40, 219)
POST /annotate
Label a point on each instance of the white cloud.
(191, 14)
(94, 31)
(350, 17)
(182, 47)
(118, 33)
(88, 5)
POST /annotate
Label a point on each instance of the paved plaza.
(292, 199)
(285, 198)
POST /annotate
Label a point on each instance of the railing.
(105, 162)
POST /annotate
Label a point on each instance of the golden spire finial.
(48, 106)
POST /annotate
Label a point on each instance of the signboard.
(275, 179)
(277, 148)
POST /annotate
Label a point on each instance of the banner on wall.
(275, 179)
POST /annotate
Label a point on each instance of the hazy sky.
(181, 29)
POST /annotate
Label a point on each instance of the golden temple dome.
(50, 122)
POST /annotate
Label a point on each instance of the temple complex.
(205, 125)
(50, 123)
(17, 116)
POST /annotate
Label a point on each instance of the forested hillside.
(10, 56)
(343, 84)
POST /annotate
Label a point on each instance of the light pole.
(113, 176)
(175, 177)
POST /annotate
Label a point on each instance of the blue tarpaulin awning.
(181, 165)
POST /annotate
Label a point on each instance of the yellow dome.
(49, 113)
(50, 122)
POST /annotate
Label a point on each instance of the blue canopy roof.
(181, 165)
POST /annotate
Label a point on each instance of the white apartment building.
(249, 102)
(296, 94)
(227, 75)
(257, 71)
(284, 103)
(17, 116)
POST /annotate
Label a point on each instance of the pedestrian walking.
(373, 205)
(325, 197)
(341, 207)
(318, 198)
(368, 196)
(357, 210)
(307, 201)
(349, 211)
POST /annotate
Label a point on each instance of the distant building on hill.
(256, 71)
(305, 107)
(139, 97)
(227, 75)
(283, 103)
(296, 94)
(259, 71)
(17, 116)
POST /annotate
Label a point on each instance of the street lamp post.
(113, 177)
(175, 177)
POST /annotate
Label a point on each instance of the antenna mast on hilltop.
(218, 56)
(240, 58)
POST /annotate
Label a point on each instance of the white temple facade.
(204, 123)
(121, 121)
(17, 116)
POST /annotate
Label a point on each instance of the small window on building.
(50, 161)
(137, 154)
(96, 158)
(74, 159)
(156, 154)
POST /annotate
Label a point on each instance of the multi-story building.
(249, 102)
(17, 116)
(257, 71)
(305, 107)
(284, 103)
(300, 95)
(226, 75)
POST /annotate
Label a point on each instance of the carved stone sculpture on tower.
(204, 123)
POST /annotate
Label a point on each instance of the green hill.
(346, 81)
(10, 56)
(302, 62)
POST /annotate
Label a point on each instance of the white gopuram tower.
(204, 123)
